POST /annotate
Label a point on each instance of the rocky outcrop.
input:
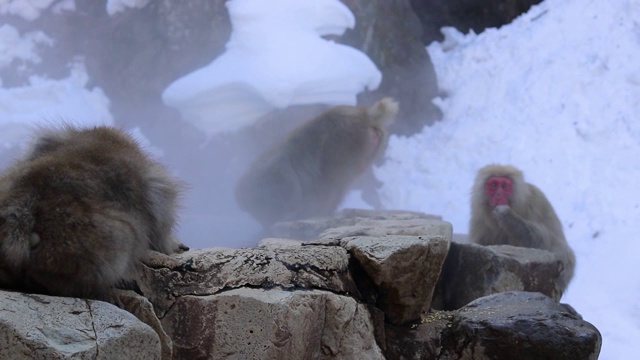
(402, 269)
(510, 325)
(519, 325)
(360, 290)
(250, 323)
(389, 33)
(472, 271)
(210, 271)
(48, 327)
(357, 222)
(466, 15)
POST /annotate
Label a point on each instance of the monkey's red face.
(498, 190)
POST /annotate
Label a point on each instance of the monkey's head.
(499, 185)
(351, 137)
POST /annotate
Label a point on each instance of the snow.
(45, 102)
(116, 6)
(14, 46)
(27, 9)
(275, 58)
(556, 93)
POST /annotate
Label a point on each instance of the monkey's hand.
(501, 211)
(518, 228)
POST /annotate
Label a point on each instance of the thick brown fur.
(528, 221)
(80, 210)
(308, 173)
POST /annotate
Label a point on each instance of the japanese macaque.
(308, 173)
(505, 210)
(79, 212)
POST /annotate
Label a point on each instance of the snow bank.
(275, 58)
(27, 9)
(45, 101)
(556, 93)
(116, 6)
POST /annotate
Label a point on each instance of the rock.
(271, 324)
(340, 297)
(510, 325)
(398, 255)
(352, 222)
(418, 341)
(48, 327)
(466, 15)
(472, 271)
(410, 227)
(518, 325)
(403, 269)
(141, 308)
(205, 272)
(389, 33)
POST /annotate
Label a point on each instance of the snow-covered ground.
(556, 93)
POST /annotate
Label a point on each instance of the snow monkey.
(507, 210)
(80, 210)
(309, 172)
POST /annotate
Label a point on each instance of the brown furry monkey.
(507, 210)
(80, 210)
(308, 173)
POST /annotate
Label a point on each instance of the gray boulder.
(519, 325)
(509, 325)
(472, 271)
(271, 324)
(403, 270)
(48, 327)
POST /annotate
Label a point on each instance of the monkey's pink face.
(498, 190)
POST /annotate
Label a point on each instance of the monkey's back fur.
(79, 212)
(309, 172)
(538, 226)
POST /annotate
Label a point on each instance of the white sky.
(556, 93)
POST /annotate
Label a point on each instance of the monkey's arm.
(522, 232)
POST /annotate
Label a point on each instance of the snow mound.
(275, 58)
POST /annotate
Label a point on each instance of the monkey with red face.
(505, 210)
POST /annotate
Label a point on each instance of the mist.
(555, 93)
(211, 117)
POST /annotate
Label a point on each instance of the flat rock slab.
(472, 271)
(354, 222)
(49, 327)
(209, 271)
(519, 325)
(271, 324)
